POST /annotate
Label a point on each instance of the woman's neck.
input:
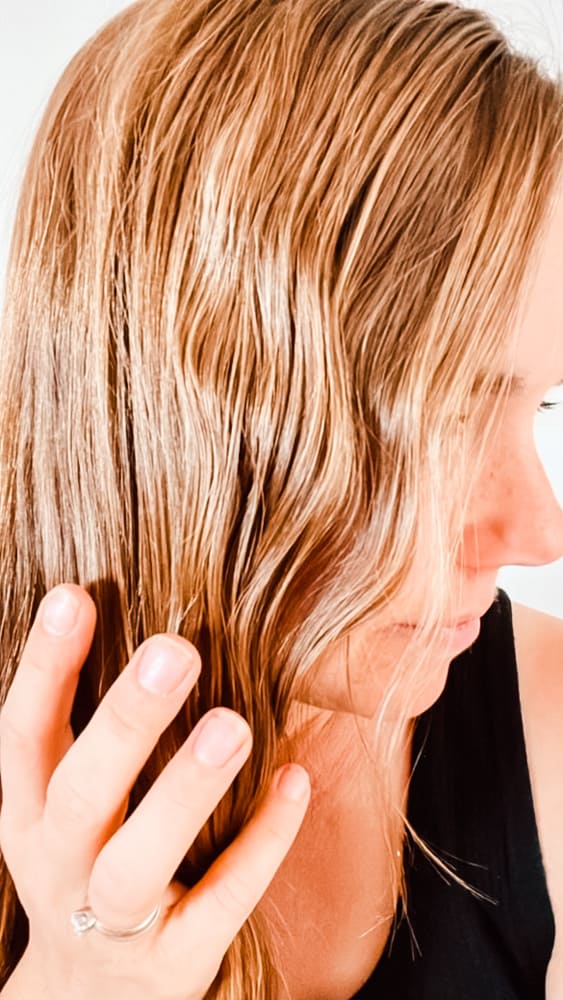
(332, 903)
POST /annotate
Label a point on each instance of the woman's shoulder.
(539, 652)
(538, 640)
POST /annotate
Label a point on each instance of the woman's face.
(514, 517)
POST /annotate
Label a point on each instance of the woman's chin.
(358, 678)
(422, 700)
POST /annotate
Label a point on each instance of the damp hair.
(262, 251)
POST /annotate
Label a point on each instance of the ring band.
(85, 920)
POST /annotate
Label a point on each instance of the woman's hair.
(266, 253)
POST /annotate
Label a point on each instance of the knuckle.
(278, 836)
(8, 835)
(178, 793)
(178, 801)
(13, 732)
(112, 880)
(122, 720)
(67, 803)
(234, 894)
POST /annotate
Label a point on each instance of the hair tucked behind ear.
(262, 251)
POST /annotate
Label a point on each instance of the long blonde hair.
(263, 253)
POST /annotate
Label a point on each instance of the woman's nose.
(517, 519)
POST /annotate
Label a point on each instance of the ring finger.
(136, 865)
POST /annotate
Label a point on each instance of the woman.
(284, 298)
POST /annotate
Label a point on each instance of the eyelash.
(546, 406)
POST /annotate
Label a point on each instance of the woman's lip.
(458, 636)
(446, 628)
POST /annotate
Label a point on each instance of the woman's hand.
(64, 800)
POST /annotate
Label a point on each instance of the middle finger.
(89, 786)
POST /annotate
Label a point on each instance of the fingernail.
(164, 665)
(293, 782)
(59, 611)
(220, 737)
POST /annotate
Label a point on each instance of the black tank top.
(470, 800)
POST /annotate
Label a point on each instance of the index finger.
(35, 718)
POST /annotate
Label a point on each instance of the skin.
(514, 517)
(539, 641)
(63, 836)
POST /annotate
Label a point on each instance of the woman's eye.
(549, 405)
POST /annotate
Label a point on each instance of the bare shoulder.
(539, 651)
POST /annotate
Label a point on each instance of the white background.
(38, 37)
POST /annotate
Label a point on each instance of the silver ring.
(85, 920)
